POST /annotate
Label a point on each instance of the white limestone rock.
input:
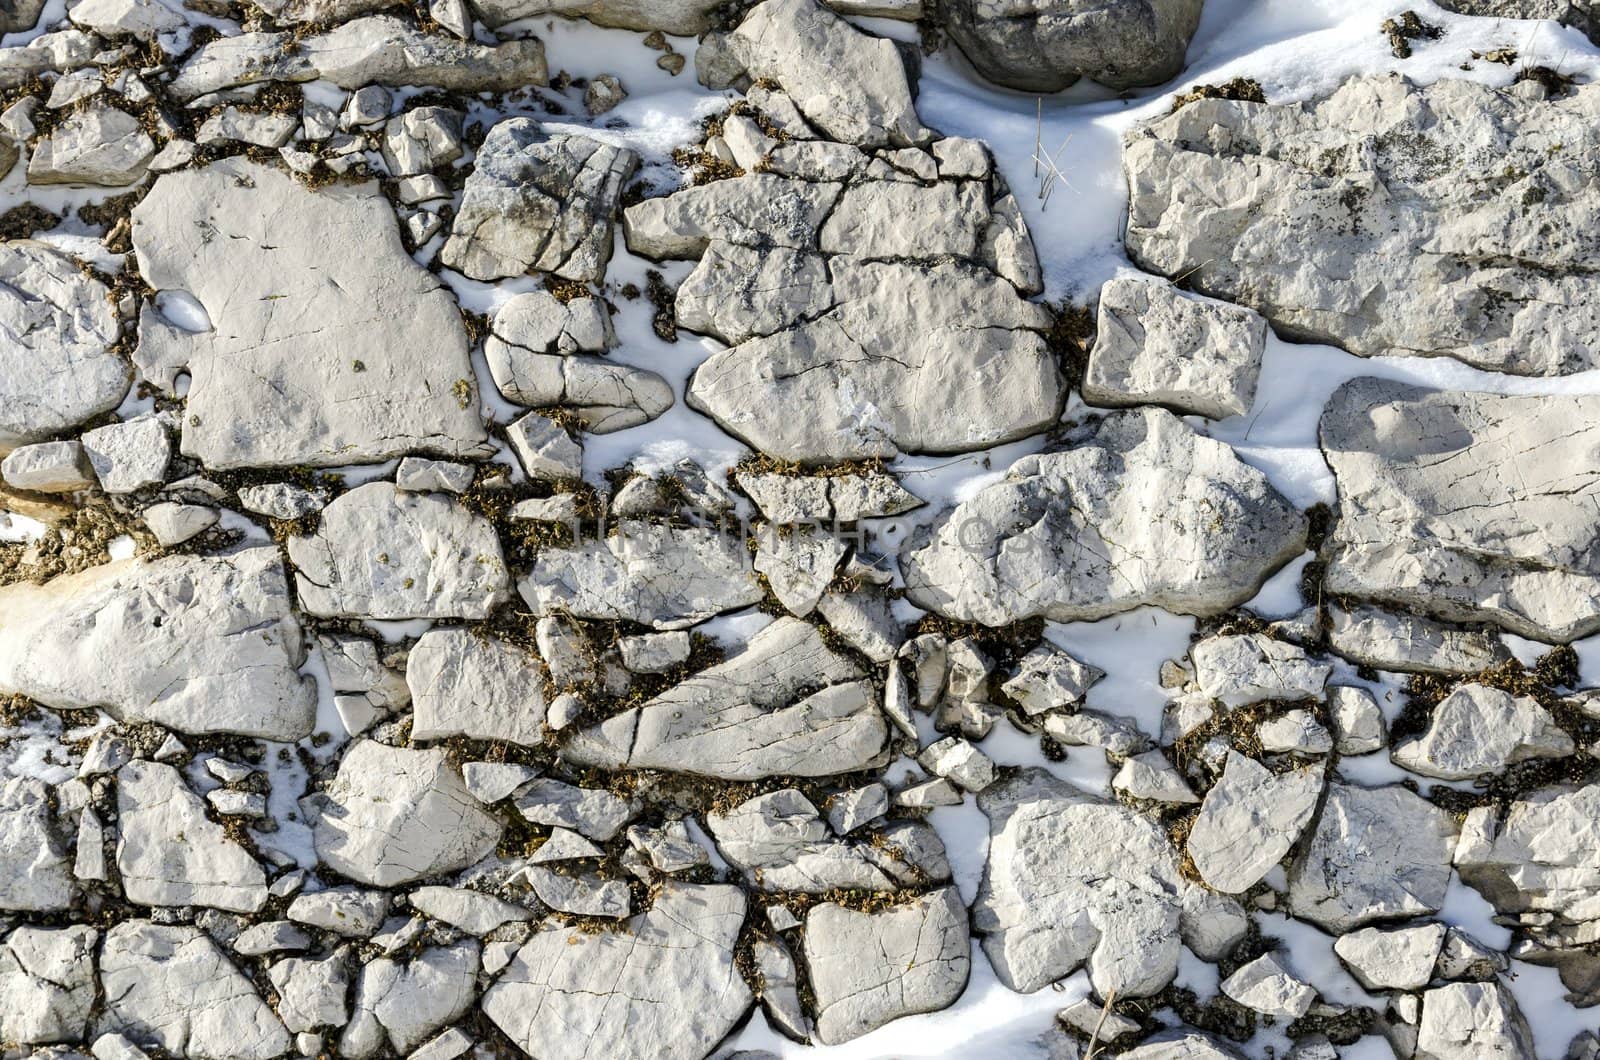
(384, 370)
(545, 448)
(48, 467)
(346, 911)
(312, 991)
(394, 815)
(684, 18)
(170, 853)
(593, 812)
(786, 705)
(474, 912)
(232, 125)
(1357, 720)
(663, 985)
(47, 984)
(380, 49)
(1544, 858)
(204, 644)
(1245, 668)
(1149, 776)
(1393, 640)
(959, 762)
(171, 523)
(867, 969)
(139, 19)
(1266, 987)
(129, 455)
(379, 552)
(1465, 506)
(1398, 959)
(538, 201)
(465, 683)
(57, 326)
(1249, 820)
(664, 576)
(580, 893)
(1385, 250)
(782, 843)
(99, 145)
(1477, 1019)
(1157, 345)
(539, 353)
(421, 139)
(1478, 729)
(852, 86)
(864, 619)
(892, 366)
(653, 653)
(1070, 535)
(1072, 879)
(799, 565)
(174, 987)
(1049, 678)
(403, 1003)
(1294, 732)
(1375, 854)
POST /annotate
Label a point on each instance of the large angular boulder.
(201, 644)
(850, 85)
(328, 344)
(787, 705)
(57, 326)
(1467, 506)
(1375, 854)
(1249, 820)
(1477, 730)
(663, 985)
(869, 968)
(537, 200)
(1543, 858)
(393, 815)
(1376, 219)
(1476, 1019)
(381, 50)
(172, 986)
(381, 552)
(1138, 510)
(1071, 880)
(879, 286)
(898, 363)
(1046, 45)
(169, 853)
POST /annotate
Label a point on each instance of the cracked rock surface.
(1069, 535)
(314, 356)
(669, 530)
(1448, 223)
